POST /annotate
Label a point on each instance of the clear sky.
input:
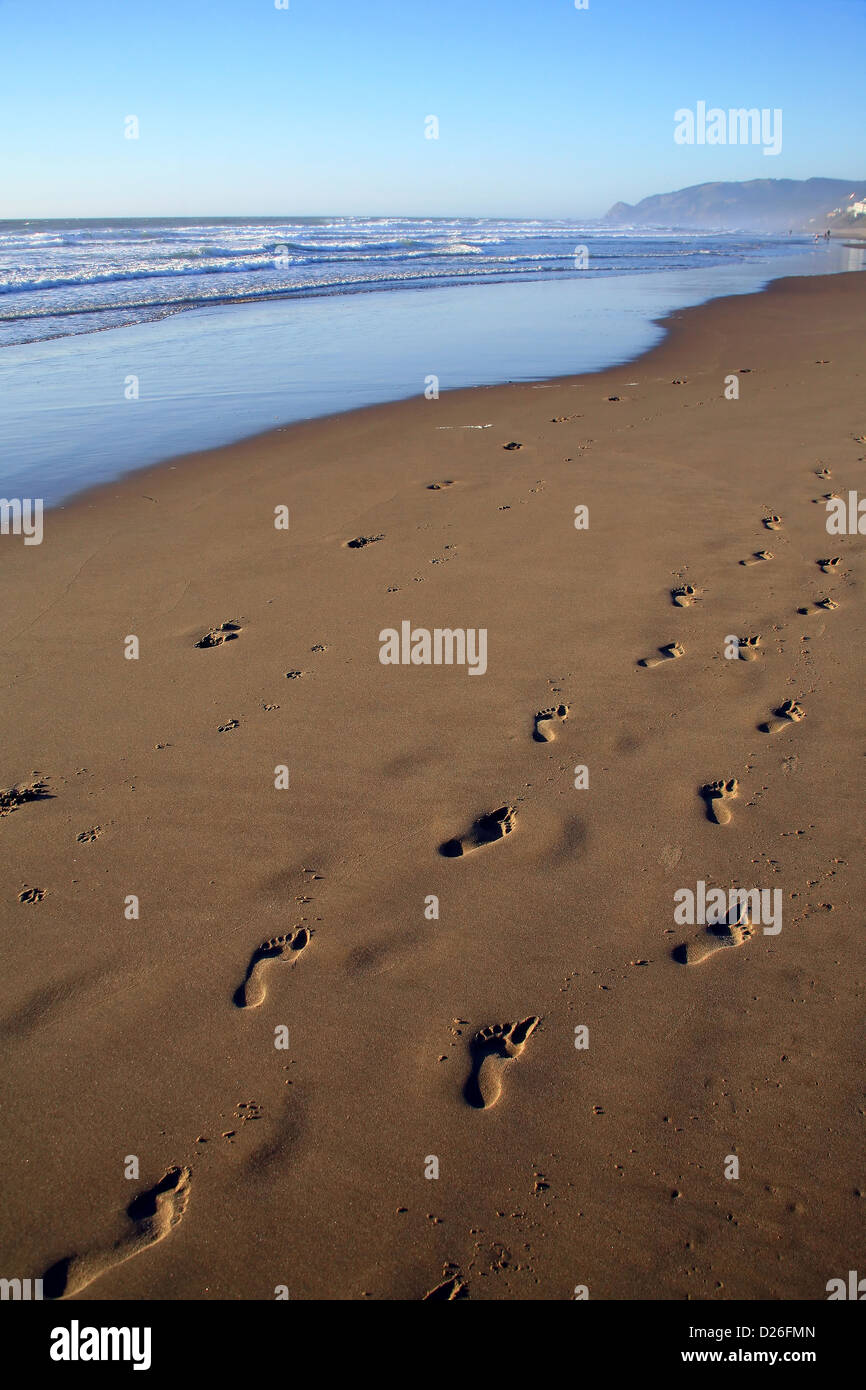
(544, 110)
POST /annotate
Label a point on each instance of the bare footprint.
(821, 605)
(716, 794)
(546, 720)
(360, 541)
(747, 648)
(31, 895)
(788, 713)
(772, 522)
(486, 831)
(226, 632)
(492, 1049)
(668, 653)
(715, 938)
(154, 1214)
(758, 557)
(683, 595)
(252, 991)
(13, 797)
(830, 566)
(452, 1287)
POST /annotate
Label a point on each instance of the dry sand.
(303, 909)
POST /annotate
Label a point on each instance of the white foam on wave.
(65, 271)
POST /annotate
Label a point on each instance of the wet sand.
(286, 1035)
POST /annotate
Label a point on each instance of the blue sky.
(544, 110)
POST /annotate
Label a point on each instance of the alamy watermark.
(737, 126)
(77, 1343)
(444, 646)
(846, 517)
(718, 907)
(22, 516)
(21, 1290)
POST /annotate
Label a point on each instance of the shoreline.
(671, 323)
(283, 811)
(220, 375)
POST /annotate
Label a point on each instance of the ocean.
(126, 341)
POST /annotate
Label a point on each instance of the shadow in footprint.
(360, 542)
(717, 936)
(671, 651)
(145, 1204)
(452, 1288)
(546, 720)
(788, 713)
(13, 797)
(486, 831)
(715, 795)
(55, 1279)
(226, 632)
(154, 1214)
(491, 1050)
(251, 992)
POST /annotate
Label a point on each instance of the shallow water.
(69, 416)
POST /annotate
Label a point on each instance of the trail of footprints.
(718, 795)
(493, 1049)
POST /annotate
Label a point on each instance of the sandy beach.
(363, 980)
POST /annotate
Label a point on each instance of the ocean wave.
(103, 272)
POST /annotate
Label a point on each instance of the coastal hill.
(766, 205)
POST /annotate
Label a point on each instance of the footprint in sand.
(715, 938)
(670, 652)
(822, 473)
(715, 794)
(31, 895)
(452, 1288)
(154, 1214)
(492, 1049)
(226, 632)
(788, 713)
(830, 566)
(360, 541)
(13, 797)
(772, 522)
(253, 991)
(821, 605)
(827, 497)
(436, 487)
(747, 647)
(486, 831)
(512, 445)
(546, 720)
(683, 595)
(758, 557)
